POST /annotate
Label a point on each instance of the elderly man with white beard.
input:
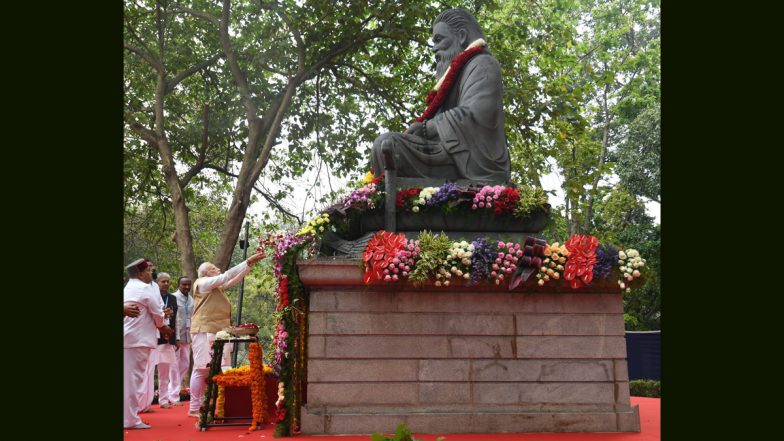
(461, 133)
(211, 313)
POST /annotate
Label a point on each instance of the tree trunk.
(182, 235)
(602, 157)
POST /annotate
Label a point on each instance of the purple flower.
(481, 259)
(445, 193)
(606, 256)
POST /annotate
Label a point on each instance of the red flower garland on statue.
(436, 99)
(379, 253)
(582, 257)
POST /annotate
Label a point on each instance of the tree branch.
(137, 37)
(234, 66)
(379, 90)
(170, 85)
(266, 196)
(193, 171)
(152, 61)
(200, 14)
(146, 134)
(293, 29)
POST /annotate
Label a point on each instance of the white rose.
(622, 255)
(415, 209)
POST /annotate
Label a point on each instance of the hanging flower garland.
(257, 385)
(289, 334)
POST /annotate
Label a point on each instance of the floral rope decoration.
(287, 332)
(257, 385)
(220, 402)
(214, 370)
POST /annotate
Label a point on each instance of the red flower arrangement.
(379, 252)
(404, 196)
(582, 257)
(507, 201)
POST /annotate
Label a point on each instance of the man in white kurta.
(139, 337)
(163, 356)
(183, 331)
(211, 314)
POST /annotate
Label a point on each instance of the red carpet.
(173, 424)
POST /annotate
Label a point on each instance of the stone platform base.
(462, 359)
(334, 422)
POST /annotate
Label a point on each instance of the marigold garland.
(246, 376)
(257, 385)
(220, 402)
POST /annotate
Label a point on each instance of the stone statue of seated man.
(461, 134)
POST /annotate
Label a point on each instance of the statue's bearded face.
(447, 45)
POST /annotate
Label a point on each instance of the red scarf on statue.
(437, 95)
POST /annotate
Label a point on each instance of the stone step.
(487, 393)
(497, 347)
(328, 300)
(467, 323)
(471, 422)
(464, 370)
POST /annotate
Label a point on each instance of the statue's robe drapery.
(470, 124)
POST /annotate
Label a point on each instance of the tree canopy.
(224, 98)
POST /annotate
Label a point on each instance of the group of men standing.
(161, 329)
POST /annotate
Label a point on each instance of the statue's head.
(453, 30)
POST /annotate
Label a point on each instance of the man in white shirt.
(183, 331)
(139, 337)
(163, 356)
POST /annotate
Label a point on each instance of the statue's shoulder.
(484, 62)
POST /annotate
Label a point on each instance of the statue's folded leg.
(414, 157)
